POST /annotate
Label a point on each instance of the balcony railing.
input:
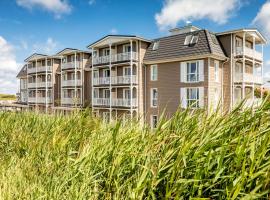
(39, 85)
(124, 102)
(71, 65)
(71, 83)
(70, 100)
(115, 102)
(101, 101)
(101, 81)
(39, 100)
(124, 79)
(116, 58)
(39, 69)
(249, 52)
(248, 78)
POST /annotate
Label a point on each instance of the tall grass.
(194, 155)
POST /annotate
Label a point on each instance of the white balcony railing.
(124, 102)
(116, 58)
(71, 65)
(39, 99)
(101, 101)
(124, 79)
(39, 85)
(249, 52)
(70, 100)
(39, 69)
(248, 78)
(101, 81)
(71, 83)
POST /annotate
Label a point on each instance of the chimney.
(186, 29)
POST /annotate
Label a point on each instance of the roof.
(244, 30)
(172, 47)
(23, 72)
(116, 38)
(71, 50)
(35, 56)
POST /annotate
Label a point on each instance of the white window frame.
(152, 98)
(104, 92)
(95, 53)
(154, 77)
(197, 100)
(124, 71)
(197, 75)
(96, 73)
(124, 94)
(104, 73)
(216, 70)
(125, 48)
(96, 93)
(152, 121)
(155, 46)
(104, 51)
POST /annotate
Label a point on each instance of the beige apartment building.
(126, 76)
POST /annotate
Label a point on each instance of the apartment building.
(126, 76)
(22, 95)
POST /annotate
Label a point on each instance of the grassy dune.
(193, 155)
(7, 97)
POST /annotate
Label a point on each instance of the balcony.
(249, 52)
(39, 100)
(66, 83)
(39, 69)
(70, 100)
(115, 102)
(247, 78)
(39, 85)
(70, 65)
(120, 57)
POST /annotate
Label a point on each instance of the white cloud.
(175, 11)
(262, 20)
(57, 7)
(8, 67)
(114, 31)
(91, 2)
(49, 47)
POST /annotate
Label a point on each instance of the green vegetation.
(193, 155)
(7, 97)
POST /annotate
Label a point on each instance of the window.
(64, 60)
(95, 54)
(191, 39)
(126, 48)
(96, 93)
(154, 97)
(216, 65)
(127, 71)
(127, 94)
(106, 73)
(96, 74)
(193, 71)
(106, 94)
(154, 73)
(154, 121)
(156, 45)
(106, 52)
(193, 97)
(239, 42)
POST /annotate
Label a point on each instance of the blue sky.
(47, 26)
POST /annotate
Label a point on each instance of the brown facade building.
(126, 76)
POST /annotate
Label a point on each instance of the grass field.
(7, 97)
(191, 156)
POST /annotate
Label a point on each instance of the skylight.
(156, 45)
(191, 39)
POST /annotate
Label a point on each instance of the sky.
(48, 26)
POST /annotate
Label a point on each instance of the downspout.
(222, 83)
(232, 86)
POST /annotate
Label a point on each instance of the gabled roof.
(35, 56)
(173, 47)
(71, 50)
(244, 30)
(23, 72)
(116, 38)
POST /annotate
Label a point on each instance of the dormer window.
(191, 39)
(156, 45)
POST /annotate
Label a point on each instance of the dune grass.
(192, 156)
(7, 97)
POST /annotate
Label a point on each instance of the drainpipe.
(222, 78)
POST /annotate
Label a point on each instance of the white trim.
(152, 78)
(152, 121)
(216, 70)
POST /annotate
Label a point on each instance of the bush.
(192, 155)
